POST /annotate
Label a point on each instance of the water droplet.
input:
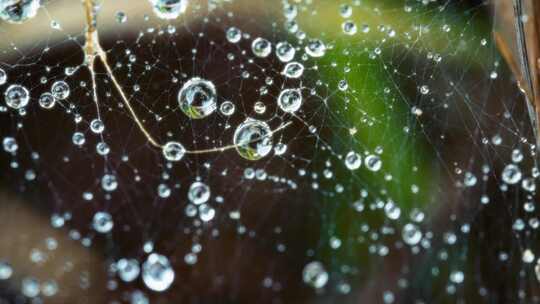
(345, 10)
(97, 126)
(17, 96)
(78, 139)
(469, 180)
(121, 17)
(315, 275)
(206, 213)
(3, 77)
(157, 272)
(198, 193)
(5, 271)
(47, 100)
(233, 34)
(18, 11)
(411, 234)
(261, 47)
(169, 9)
(290, 100)
(173, 151)
(353, 160)
(102, 222)
(280, 149)
(373, 162)
(227, 108)
(30, 287)
(128, 269)
(109, 182)
(511, 174)
(293, 70)
(315, 48)
(349, 28)
(197, 98)
(60, 90)
(253, 139)
(10, 145)
(285, 51)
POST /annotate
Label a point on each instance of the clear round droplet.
(60, 90)
(253, 139)
(206, 213)
(285, 51)
(261, 47)
(353, 160)
(197, 98)
(227, 108)
(18, 11)
(102, 222)
(5, 270)
(109, 182)
(411, 234)
(173, 151)
(16, 96)
(97, 126)
(293, 70)
(315, 48)
(198, 193)
(47, 100)
(511, 174)
(169, 9)
(10, 144)
(290, 100)
(233, 34)
(78, 139)
(121, 17)
(315, 275)
(128, 269)
(349, 28)
(157, 272)
(373, 162)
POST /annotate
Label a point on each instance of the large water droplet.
(18, 11)
(261, 47)
(373, 162)
(411, 234)
(511, 174)
(128, 269)
(16, 96)
(60, 90)
(253, 139)
(173, 151)
(102, 222)
(10, 145)
(47, 100)
(157, 273)
(197, 98)
(293, 70)
(169, 9)
(315, 48)
(233, 34)
(285, 51)
(315, 275)
(109, 182)
(198, 193)
(353, 160)
(290, 100)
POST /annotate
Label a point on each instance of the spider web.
(441, 209)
